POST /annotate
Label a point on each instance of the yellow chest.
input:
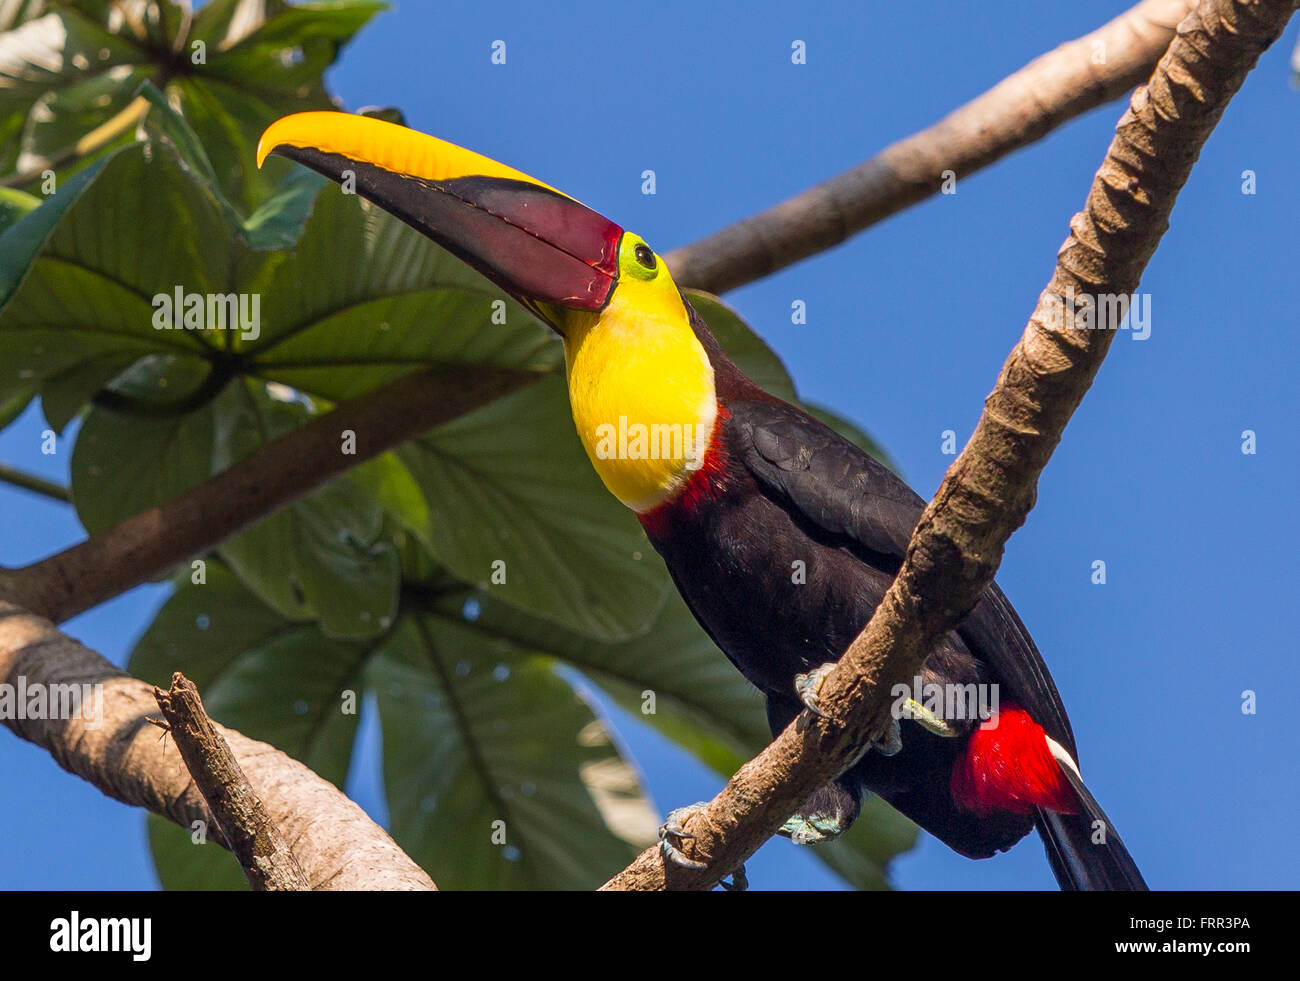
(643, 399)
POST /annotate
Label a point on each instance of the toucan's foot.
(890, 742)
(738, 881)
(812, 829)
(914, 710)
(809, 685)
(824, 816)
(674, 829)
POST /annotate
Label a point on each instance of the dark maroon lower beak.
(536, 244)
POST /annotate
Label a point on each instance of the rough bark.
(1051, 90)
(990, 487)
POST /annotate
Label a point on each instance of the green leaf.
(72, 247)
(699, 699)
(675, 679)
(363, 299)
(743, 345)
(61, 76)
(15, 204)
(230, 71)
(498, 774)
(273, 679)
(123, 463)
(259, 69)
(513, 501)
(323, 556)
(24, 238)
(186, 866)
(13, 404)
(279, 222)
(165, 122)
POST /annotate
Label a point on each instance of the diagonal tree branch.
(1019, 110)
(990, 488)
(111, 744)
(145, 545)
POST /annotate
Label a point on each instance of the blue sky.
(907, 328)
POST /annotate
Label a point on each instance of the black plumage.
(788, 489)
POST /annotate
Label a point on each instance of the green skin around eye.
(629, 264)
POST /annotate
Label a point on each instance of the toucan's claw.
(890, 742)
(914, 710)
(810, 684)
(674, 829)
(738, 881)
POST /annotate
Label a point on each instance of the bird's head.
(635, 367)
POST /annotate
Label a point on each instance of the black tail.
(1084, 849)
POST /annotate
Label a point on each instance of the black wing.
(803, 464)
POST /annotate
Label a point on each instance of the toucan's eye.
(645, 256)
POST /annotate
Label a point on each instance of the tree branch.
(109, 742)
(990, 488)
(249, 832)
(147, 544)
(1019, 110)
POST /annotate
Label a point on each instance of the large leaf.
(474, 732)
(498, 774)
(674, 679)
(273, 679)
(187, 862)
(14, 205)
(320, 557)
(513, 501)
(323, 556)
(671, 675)
(363, 299)
(743, 345)
(230, 70)
(89, 263)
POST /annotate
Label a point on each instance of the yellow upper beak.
(385, 145)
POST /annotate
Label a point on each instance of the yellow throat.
(640, 383)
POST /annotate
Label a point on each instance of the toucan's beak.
(537, 244)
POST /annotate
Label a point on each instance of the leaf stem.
(35, 484)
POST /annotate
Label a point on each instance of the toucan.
(735, 488)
